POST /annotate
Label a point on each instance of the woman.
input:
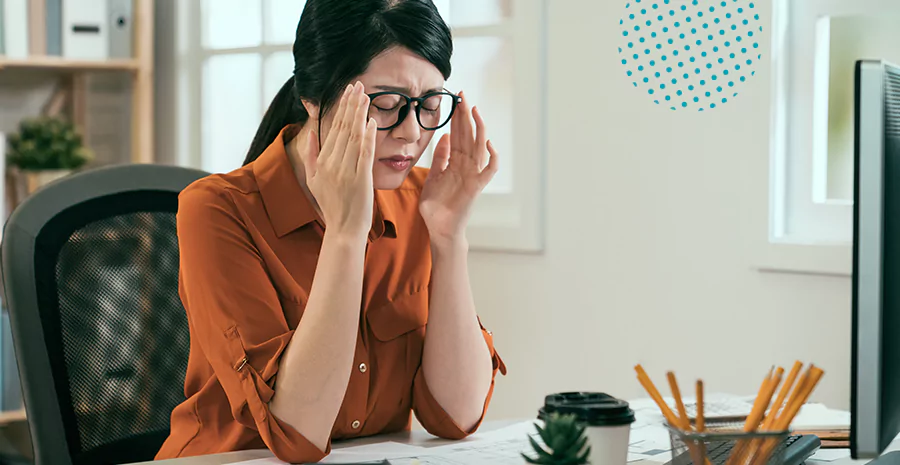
(325, 281)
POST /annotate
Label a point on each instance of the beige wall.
(650, 216)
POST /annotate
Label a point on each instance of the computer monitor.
(875, 373)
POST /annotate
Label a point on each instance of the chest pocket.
(403, 316)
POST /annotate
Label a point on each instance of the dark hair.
(336, 40)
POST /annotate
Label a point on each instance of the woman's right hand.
(339, 175)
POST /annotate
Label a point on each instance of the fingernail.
(347, 89)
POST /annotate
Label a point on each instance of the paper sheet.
(820, 417)
(500, 447)
(503, 452)
(830, 455)
(372, 453)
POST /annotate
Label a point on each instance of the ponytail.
(285, 109)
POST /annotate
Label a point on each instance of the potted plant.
(564, 440)
(46, 149)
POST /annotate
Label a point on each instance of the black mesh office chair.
(90, 267)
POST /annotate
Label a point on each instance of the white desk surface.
(416, 438)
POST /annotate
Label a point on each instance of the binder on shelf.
(15, 28)
(37, 27)
(2, 47)
(121, 14)
(53, 17)
(85, 32)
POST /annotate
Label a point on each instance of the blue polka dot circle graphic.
(690, 54)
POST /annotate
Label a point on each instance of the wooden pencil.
(755, 446)
(765, 397)
(678, 422)
(784, 420)
(701, 421)
(696, 453)
(798, 398)
(742, 449)
(782, 395)
(679, 403)
(648, 385)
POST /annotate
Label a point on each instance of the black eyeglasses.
(433, 111)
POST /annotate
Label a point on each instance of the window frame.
(514, 221)
(798, 169)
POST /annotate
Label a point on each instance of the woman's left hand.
(456, 176)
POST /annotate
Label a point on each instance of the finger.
(312, 154)
(367, 150)
(455, 130)
(493, 164)
(334, 132)
(357, 128)
(480, 137)
(441, 157)
(344, 125)
(465, 125)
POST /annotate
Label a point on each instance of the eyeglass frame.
(419, 101)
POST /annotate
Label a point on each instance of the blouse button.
(363, 368)
(355, 424)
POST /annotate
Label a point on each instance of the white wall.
(652, 221)
(649, 218)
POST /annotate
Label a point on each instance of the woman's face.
(396, 150)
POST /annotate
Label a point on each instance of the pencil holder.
(727, 446)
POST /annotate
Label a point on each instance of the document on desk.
(500, 447)
(371, 453)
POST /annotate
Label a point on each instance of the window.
(815, 45)
(242, 50)
(498, 61)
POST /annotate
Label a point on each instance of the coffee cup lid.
(591, 408)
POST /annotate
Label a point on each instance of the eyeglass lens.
(388, 109)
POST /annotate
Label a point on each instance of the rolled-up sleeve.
(433, 417)
(235, 315)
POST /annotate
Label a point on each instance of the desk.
(893, 446)
(415, 438)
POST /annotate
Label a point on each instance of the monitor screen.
(875, 384)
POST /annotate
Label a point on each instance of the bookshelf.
(140, 68)
(72, 74)
(67, 65)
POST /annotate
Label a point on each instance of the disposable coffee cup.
(607, 422)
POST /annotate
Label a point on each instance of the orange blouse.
(249, 241)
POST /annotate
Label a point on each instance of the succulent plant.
(564, 442)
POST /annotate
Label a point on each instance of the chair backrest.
(90, 270)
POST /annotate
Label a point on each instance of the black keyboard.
(797, 448)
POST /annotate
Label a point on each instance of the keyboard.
(797, 449)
